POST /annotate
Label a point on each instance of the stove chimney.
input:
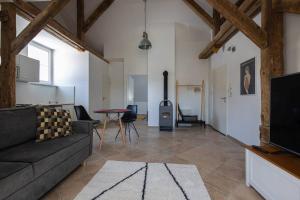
(165, 74)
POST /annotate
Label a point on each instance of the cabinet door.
(270, 181)
(28, 69)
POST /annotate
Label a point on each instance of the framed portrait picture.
(248, 77)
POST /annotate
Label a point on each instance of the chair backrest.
(81, 113)
(180, 112)
(132, 114)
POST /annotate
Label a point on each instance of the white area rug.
(145, 181)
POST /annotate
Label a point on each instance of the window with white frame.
(44, 55)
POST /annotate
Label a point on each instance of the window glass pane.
(44, 56)
(44, 73)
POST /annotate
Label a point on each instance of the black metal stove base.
(166, 128)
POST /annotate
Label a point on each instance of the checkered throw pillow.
(53, 123)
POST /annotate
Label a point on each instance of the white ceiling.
(67, 17)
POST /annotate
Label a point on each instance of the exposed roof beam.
(200, 12)
(29, 11)
(251, 8)
(37, 24)
(238, 4)
(240, 20)
(217, 22)
(289, 6)
(96, 14)
(80, 18)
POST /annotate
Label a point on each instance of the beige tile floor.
(219, 159)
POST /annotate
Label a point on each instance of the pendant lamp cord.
(145, 15)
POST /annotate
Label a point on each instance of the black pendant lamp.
(145, 44)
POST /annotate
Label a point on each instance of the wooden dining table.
(107, 113)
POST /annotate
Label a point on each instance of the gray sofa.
(28, 169)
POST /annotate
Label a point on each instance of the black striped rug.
(145, 181)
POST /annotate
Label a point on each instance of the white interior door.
(106, 91)
(116, 76)
(220, 99)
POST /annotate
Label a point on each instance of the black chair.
(128, 119)
(82, 114)
(186, 118)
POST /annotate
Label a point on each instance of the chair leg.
(129, 136)
(117, 134)
(97, 133)
(137, 133)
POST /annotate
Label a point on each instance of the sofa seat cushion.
(14, 175)
(48, 154)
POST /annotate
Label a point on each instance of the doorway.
(220, 99)
(138, 93)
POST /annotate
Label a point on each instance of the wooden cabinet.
(275, 177)
(28, 69)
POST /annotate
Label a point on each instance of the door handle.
(224, 99)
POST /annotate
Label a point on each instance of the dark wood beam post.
(277, 44)
(8, 59)
(96, 14)
(265, 71)
(80, 19)
(37, 24)
(217, 22)
(272, 60)
(289, 6)
(241, 21)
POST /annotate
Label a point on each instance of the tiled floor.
(220, 160)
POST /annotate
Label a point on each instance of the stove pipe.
(165, 88)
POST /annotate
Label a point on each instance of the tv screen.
(285, 112)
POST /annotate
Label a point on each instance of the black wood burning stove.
(166, 109)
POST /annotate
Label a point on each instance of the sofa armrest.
(84, 127)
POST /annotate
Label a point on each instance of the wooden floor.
(220, 160)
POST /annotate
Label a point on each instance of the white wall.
(98, 70)
(244, 111)
(71, 68)
(120, 29)
(161, 58)
(117, 86)
(292, 43)
(189, 69)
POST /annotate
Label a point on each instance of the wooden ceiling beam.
(251, 8)
(201, 13)
(37, 24)
(289, 6)
(240, 20)
(217, 22)
(29, 11)
(238, 4)
(96, 14)
(80, 19)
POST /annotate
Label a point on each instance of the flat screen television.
(285, 112)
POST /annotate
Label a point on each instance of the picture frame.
(248, 77)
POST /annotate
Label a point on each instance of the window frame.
(50, 61)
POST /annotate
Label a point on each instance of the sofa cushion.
(18, 125)
(14, 175)
(52, 123)
(46, 155)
